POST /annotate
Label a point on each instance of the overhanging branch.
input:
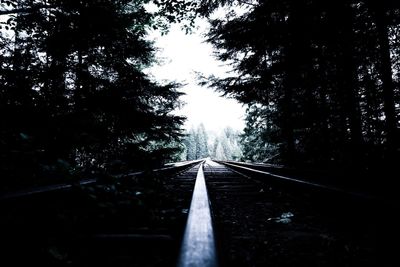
(24, 9)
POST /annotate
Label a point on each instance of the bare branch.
(247, 3)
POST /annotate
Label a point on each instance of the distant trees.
(321, 78)
(201, 139)
(201, 144)
(190, 145)
(226, 145)
(73, 94)
(196, 144)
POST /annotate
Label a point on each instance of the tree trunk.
(349, 85)
(387, 81)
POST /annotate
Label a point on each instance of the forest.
(320, 80)
(74, 100)
(200, 143)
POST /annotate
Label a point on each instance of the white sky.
(182, 57)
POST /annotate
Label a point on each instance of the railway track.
(169, 169)
(207, 215)
(273, 176)
(261, 222)
(356, 183)
(133, 220)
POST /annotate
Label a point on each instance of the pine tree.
(318, 78)
(220, 152)
(202, 142)
(190, 143)
(74, 84)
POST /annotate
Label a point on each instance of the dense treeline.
(200, 143)
(73, 94)
(196, 144)
(225, 145)
(321, 79)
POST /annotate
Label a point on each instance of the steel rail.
(295, 181)
(198, 246)
(66, 186)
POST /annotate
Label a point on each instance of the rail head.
(198, 246)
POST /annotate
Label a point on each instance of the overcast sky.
(182, 57)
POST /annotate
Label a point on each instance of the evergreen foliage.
(73, 93)
(201, 144)
(321, 79)
(196, 144)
